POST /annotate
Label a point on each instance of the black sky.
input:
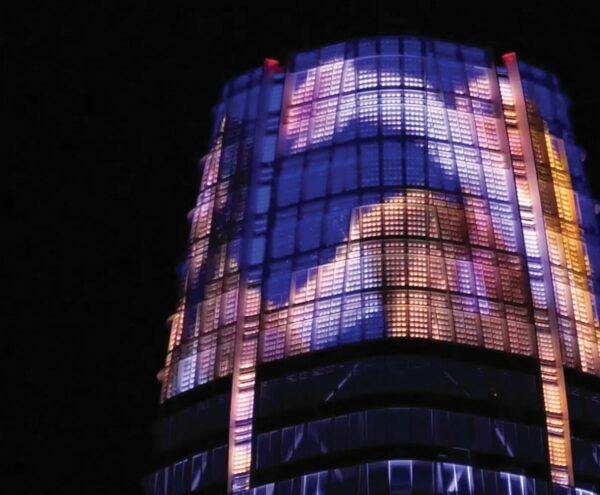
(108, 113)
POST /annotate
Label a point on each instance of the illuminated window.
(400, 475)
(415, 163)
(392, 164)
(390, 71)
(391, 113)
(456, 479)
(366, 69)
(284, 232)
(368, 107)
(413, 70)
(513, 484)
(369, 164)
(315, 176)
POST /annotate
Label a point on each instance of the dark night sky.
(109, 112)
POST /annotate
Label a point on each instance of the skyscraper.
(391, 284)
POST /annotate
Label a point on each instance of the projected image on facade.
(391, 284)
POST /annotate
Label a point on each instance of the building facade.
(391, 285)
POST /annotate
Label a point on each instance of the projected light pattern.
(388, 188)
(407, 271)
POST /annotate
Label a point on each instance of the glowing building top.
(385, 189)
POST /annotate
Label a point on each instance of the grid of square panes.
(366, 113)
(419, 75)
(414, 250)
(413, 115)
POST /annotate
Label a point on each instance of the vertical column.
(251, 267)
(545, 318)
(242, 397)
(569, 268)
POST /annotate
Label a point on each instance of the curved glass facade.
(412, 476)
(385, 192)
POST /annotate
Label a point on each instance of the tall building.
(391, 285)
